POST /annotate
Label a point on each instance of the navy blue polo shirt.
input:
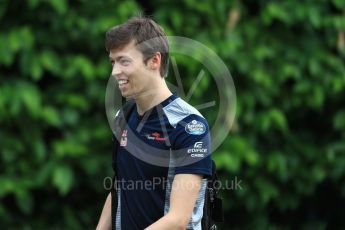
(171, 138)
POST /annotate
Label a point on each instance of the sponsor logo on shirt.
(195, 127)
(197, 150)
(123, 141)
(155, 136)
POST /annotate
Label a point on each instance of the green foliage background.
(287, 144)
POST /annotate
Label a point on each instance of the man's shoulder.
(179, 110)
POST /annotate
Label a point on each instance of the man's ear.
(155, 61)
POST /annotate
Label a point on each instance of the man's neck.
(148, 100)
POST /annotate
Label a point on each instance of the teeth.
(123, 82)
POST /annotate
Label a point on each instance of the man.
(173, 137)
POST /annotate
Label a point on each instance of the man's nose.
(116, 70)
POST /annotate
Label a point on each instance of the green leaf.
(278, 118)
(339, 4)
(33, 3)
(24, 201)
(36, 69)
(31, 99)
(51, 116)
(267, 190)
(227, 161)
(44, 173)
(277, 165)
(8, 185)
(59, 5)
(339, 120)
(50, 61)
(63, 178)
(6, 53)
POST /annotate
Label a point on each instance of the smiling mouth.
(122, 82)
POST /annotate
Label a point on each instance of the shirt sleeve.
(192, 146)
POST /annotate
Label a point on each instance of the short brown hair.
(146, 33)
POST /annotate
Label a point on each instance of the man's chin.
(127, 96)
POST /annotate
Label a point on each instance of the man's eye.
(124, 62)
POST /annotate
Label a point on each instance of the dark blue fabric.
(142, 205)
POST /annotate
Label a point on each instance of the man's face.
(128, 67)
